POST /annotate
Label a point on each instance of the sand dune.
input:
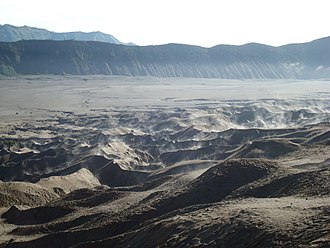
(80, 179)
(45, 190)
(23, 193)
(169, 163)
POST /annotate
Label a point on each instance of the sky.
(197, 22)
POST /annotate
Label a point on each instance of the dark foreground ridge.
(251, 61)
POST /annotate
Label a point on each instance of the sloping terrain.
(167, 173)
(10, 33)
(250, 61)
(45, 190)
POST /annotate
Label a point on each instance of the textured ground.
(145, 162)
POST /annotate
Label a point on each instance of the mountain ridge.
(309, 60)
(11, 33)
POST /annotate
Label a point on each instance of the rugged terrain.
(251, 61)
(147, 162)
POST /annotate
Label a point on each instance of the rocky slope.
(250, 61)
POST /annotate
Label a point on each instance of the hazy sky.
(199, 22)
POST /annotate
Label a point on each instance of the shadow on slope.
(37, 215)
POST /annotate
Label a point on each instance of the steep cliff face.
(251, 61)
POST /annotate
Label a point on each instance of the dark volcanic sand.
(145, 162)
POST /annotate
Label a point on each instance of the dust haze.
(98, 161)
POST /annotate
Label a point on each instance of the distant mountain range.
(10, 33)
(251, 61)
